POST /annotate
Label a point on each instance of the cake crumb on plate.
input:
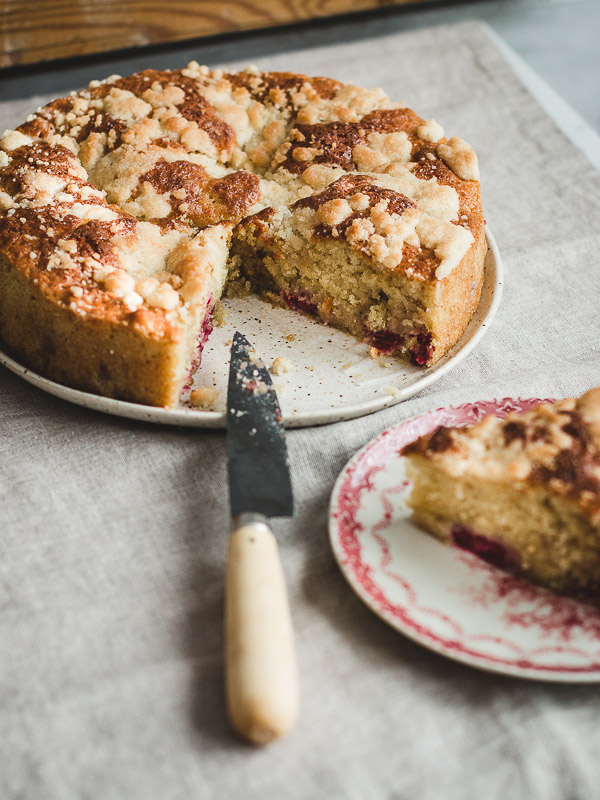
(393, 391)
(281, 365)
(204, 397)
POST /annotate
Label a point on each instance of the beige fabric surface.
(112, 532)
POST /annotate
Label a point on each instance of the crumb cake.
(129, 208)
(522, 493)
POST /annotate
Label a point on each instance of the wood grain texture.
(43, 30)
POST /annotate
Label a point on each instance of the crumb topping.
(379, 220)
(119, 199)
(430, 131)
(204, 397)
(379, 138)
(198, 198)
(460, 157)
(555, 444)
(281, 365)
(283, 88)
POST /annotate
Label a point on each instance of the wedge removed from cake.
(364, 257)
(522, 493)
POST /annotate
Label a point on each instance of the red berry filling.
(204, 333)
(299, 301)
(387, 341)
(488, 549)
(422, 351)
(384, 341)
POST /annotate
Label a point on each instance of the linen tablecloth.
(112, 532)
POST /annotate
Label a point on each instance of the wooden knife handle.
(261, 671)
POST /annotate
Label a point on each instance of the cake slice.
(522, 493)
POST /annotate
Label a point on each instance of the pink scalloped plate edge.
(468, 611)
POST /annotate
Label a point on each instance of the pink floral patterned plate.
(443, 597)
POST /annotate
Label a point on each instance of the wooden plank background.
(43, 30)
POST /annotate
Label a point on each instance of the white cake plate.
(332, 379)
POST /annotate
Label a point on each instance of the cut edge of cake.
(334, 255)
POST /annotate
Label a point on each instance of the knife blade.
(260, 661)
(259, 471)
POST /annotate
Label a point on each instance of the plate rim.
(193, 418)
(564, 675)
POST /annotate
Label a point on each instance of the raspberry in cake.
(523, 493)
(127, 209)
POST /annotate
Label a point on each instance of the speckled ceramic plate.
(333, 376)
(445, 598)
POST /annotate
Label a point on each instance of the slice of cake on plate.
(522, 493)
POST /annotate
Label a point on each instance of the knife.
(261, 672)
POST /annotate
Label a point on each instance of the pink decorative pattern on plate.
(443, 597)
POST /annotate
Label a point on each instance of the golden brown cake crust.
(556, 446)
(101, 356)
(51, 248)
(107, 198)
(342, 143)
(200, 199)
(284, 88)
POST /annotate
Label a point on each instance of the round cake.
(129, 208)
